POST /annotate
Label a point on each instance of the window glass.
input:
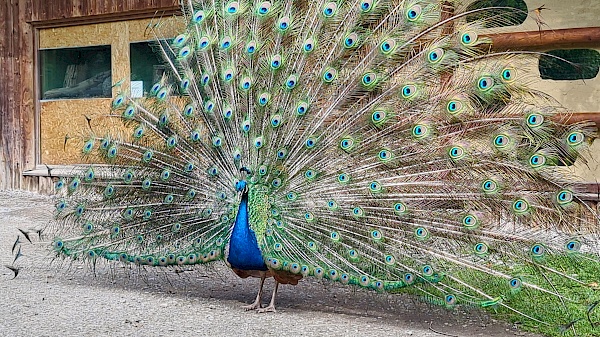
(147, 67)
(75, 72)
(505, 13)
(569, 64)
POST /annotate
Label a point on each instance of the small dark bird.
(17, 241)
(14, 269)
(49, 170)
(65, 143)
(39, 231)
(26, 234)
(18, 255)
(89, 121)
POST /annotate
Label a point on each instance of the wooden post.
(547, 39)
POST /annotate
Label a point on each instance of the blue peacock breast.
(248, 229)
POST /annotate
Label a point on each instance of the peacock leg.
(256, 304)
(271, 307)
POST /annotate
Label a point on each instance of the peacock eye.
(575, 138)
(468, 38)
(508, 74)
(435, 55)
(414, 13)
(330, 9)
(485, 83)
(534, 120)
(351, 40)
(366, 6)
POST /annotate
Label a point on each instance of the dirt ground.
(68, 300)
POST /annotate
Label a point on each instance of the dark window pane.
(75, 72)
(569, 64)
(146, 67)
(499, 17)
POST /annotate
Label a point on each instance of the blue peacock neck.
(244, 253)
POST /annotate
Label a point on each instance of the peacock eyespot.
(347, 144)
(308, 45)
(468, 38)
(520, 206)
(384, 155)
(357, 211)
(233, 7)
(369, 79)
(399, 208)
(489, 186)
(454, 106)
(276, 182)
(264, 8)
(198, 16)
(575, 138)
(329, 9)
(537, 160)
(184, 53)
(515, 283)
(250, 49)
(485, 83)
(435, 55)
(308, 216)
(470, 221)
(564, 197)
(501, 141)
(421, 233)
(481, 248)
(409, 91)
(534, 120)
(573, 246)
(538, 250)
(390, 260)
(376, 235)
(329, 75)
(281, 153)
(366, 6)
(414, 13)
(375, 187)
(508, 74)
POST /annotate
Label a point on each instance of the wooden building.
(23, 24)
(40, 115)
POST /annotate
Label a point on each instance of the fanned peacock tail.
(383, 145)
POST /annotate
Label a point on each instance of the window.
(569, 64)
(147, 67)
(505, 13)
(75, 72)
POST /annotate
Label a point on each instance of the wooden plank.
(577, 117)
(547, 39)
(64, 10)
(27, 107)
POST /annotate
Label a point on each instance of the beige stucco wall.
(578, 96)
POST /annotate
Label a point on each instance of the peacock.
(379, 144)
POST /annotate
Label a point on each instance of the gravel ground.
(68, 300)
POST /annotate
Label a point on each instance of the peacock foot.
(270, 308)
(254, 306)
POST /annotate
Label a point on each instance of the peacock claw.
(253, 306)
(267, 309)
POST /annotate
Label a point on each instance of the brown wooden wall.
(44, 10)
(17, 116)
(18, 20)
